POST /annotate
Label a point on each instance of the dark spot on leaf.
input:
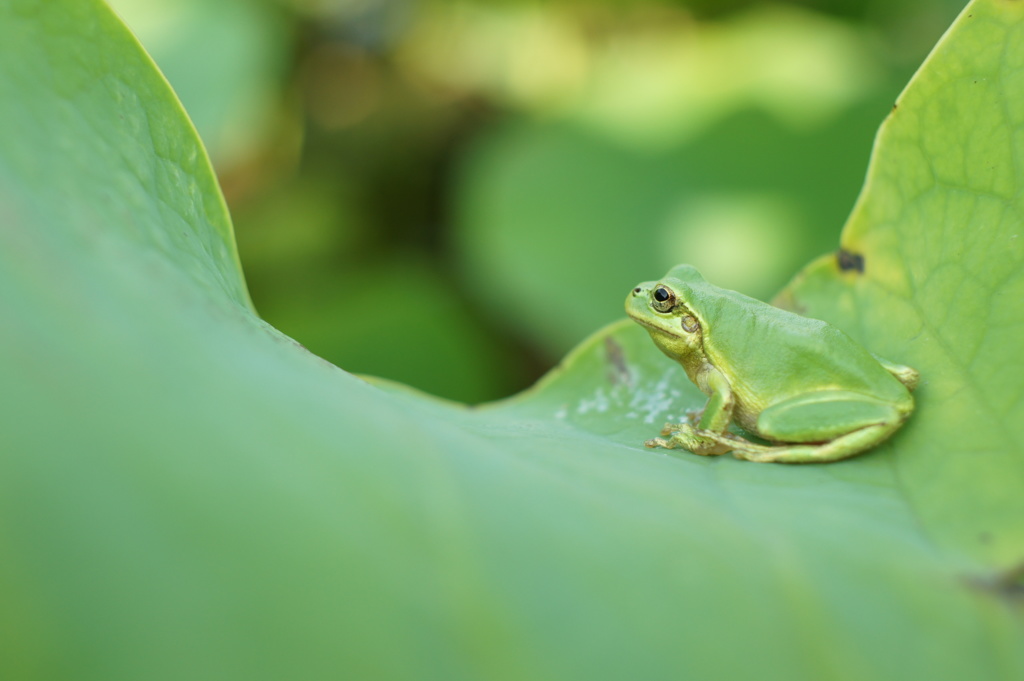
(849, 261)
(618, 372)
(1006, 584)
(895, 106)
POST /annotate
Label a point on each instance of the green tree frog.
(799, 383)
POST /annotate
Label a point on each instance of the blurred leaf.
(693, 143)
(939, 231)
(301, 225)
(529, 55)
(548, 212)
(394, 317)
(667, 85)
(310, 281)
(224, 60)
(186, 493)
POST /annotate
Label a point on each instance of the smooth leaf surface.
(187, 493)
(101, 140)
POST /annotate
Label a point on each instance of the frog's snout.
(632, 305)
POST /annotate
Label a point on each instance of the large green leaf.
(939, 233)
(187, 493)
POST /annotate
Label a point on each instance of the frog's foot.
(685, 436)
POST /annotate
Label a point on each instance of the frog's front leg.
(708, 437)
(685, 436)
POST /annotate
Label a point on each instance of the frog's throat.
(692, 359)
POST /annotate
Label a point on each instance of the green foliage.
(705, 161)
(547, 207)
(488, 154)
(186, 493)
(939, 230)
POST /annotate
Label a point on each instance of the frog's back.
(761, 347)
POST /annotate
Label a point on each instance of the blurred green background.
(453, 194)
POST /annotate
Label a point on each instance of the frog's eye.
(663, 299)
(689, 323)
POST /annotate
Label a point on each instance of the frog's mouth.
(654, 328)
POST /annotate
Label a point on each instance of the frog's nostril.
(636, 290)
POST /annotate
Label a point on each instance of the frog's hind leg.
(823, 426)
(841, 448)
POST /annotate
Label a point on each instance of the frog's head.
(661, 308)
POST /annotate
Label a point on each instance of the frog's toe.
(670, 428)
